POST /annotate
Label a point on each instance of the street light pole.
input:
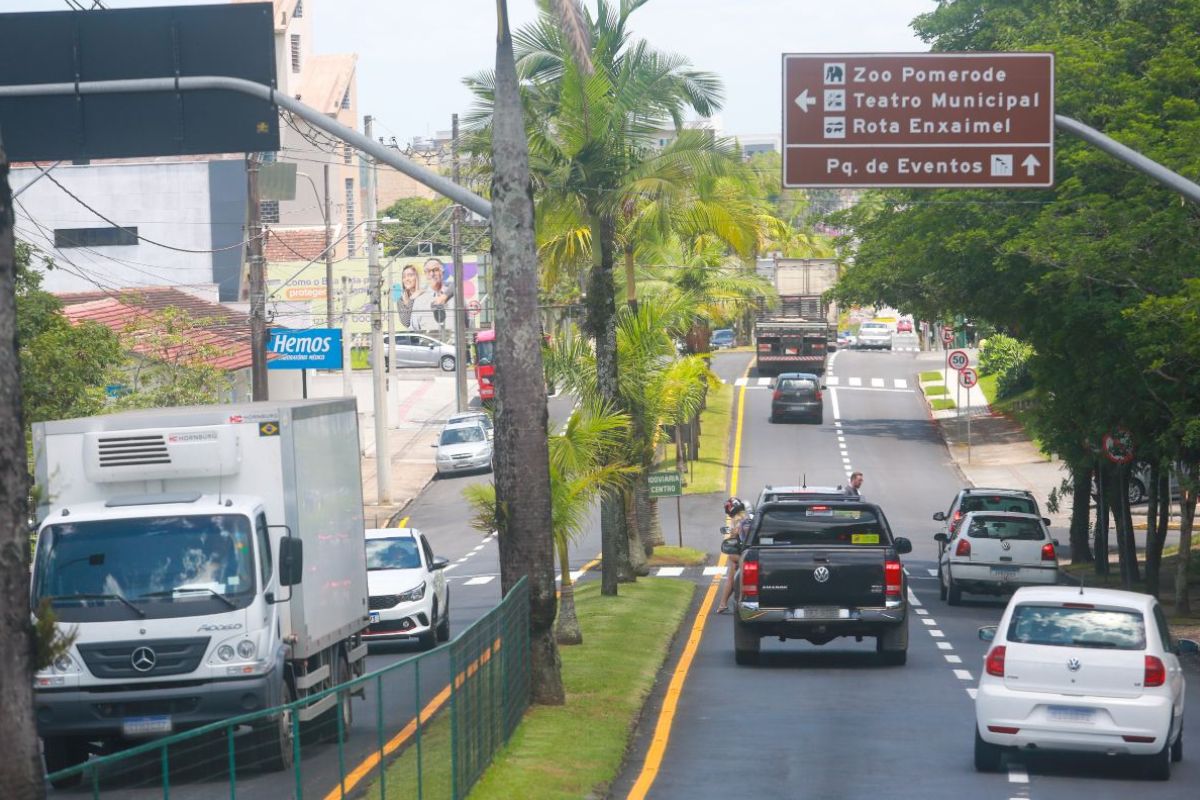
(460, 292)
(258, 287)
(383, 455)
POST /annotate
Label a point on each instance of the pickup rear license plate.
(820, 612)
(146, 726)
(1072, 714)
(1005, 569)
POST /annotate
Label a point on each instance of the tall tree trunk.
(1126, 546)
(566, 629)
(637, 551)
(647, 513)
(522, 458)
(630, 280)
(21, 767)
(1081, 500)
(601, 325)
(1101, 519)
(1155, 536)
(1187, 516)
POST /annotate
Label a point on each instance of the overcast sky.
(413, 54)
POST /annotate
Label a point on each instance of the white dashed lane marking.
(932, 572)
(912, 598)
(963, 675)
(710, 571)
(764, 381)
(929, 621)
(480, 580)
(945, 646)
(832, 380)
(935, 633)
(953, 659)
(741, 381)
(877, 383)
(921, 611)
(855, 381)
(900, 383)
(669, 572)
(1017, 774)
(972, 691)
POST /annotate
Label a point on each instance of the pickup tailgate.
(845, 577)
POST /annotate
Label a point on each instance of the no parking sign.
(967, 377)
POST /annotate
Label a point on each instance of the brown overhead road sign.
(918, 119)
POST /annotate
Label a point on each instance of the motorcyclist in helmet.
(735, 513)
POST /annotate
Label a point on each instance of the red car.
(904, 326)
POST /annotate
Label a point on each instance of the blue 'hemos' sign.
(316, 348)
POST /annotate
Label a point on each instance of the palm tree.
(579, 470)
(591, 125)
(522, 467)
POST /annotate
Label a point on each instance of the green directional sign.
(666, 484)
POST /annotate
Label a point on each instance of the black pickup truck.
(817, 570)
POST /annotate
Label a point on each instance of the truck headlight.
(65, 664)
(225, 652)
(412, 594)
(246, 649)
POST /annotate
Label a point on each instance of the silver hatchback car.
(463, 447)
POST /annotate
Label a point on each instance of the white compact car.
(462, 447)
(406, 587)
(482, 417)
(1085, 670)
(995, 552)
(874, 335)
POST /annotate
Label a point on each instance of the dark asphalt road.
(830, 722)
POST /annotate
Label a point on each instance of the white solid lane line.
(837, 415)
(912, 598)
(479, 581)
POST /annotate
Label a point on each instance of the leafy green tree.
(419, 220)
(578, 473)
(173, 364)
(594, 121)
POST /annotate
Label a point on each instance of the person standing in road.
(856, 480)
(735, 513)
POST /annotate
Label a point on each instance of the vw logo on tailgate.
(821, 574)
(143, 659)
(1074, 664)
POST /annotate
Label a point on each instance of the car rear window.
(796, 384)
(821, 525)
(1078, 626)
(1000, 528)
(997, 502)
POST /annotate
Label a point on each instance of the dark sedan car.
(798, 394)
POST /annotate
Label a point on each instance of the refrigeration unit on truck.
(210, 561)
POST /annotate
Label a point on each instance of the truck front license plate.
(374, 617)
(146, 726)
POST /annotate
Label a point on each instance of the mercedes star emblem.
(143, 659)
(1074, 664)
(821, 574)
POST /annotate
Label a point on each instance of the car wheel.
(987, 755)
(772, 419)
(428, 639)
(63, 752)
(1158, 766)
(443, 627)
(447, 363)
(953, 593)
(344, 708)
(272, 743)
(1177, 748)
(746, 645)
(820, 419)
(1137, 491)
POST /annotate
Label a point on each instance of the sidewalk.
(418, 405)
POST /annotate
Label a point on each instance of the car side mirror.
(291, 561)
(731, 547)
(940, 516)
(1046, 521)
(439, 563)
(1187, 647)
(902, 545)
(987, 633)
(941, 537)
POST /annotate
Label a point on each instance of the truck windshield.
(821, 525)
(201, 559)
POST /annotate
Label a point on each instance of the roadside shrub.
(1014, 381)
(1008, 359)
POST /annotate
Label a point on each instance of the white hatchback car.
(406, 587)
(995, 552)
(1085, 670)
(461, 447)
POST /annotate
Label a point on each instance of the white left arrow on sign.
(804, 101)
(1030, 164)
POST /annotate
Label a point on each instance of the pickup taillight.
(893, 574)
(750, 579)
(964, 548)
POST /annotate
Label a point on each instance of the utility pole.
(258, 283)
(460, 303)
(391, 348)
(347, 374)
(383, 453)
(328, 255)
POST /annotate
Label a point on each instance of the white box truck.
(211, 562)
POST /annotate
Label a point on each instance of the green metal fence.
(426, 726)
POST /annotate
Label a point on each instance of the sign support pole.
(968, 425)
(679, 517)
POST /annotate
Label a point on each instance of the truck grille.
(168, 657)
(124, 451)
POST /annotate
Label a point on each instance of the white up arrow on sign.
(804, 101)
(1030, 164)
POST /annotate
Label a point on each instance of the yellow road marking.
(666, 717)
(403, 523)
(356, 775)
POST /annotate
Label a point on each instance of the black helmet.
(734, 506)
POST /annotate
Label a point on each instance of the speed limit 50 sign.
(958, 360)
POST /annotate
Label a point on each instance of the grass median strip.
(710, 470)
(607, 678)
(667, 555)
